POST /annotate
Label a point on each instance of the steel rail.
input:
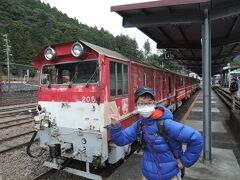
(13, 147)
(17, 106)
(16, 136)
(13, 120)
(226, 97)
(16, 124)
(8, 114)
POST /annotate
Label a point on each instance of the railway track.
(8, 111)
(14, 142)
(12, 123)
(16, 130)
(226, 97)
(15, 107)
(17, 98)
(13, 120)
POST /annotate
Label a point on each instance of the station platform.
(225, 163)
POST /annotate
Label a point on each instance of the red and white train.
(79, 83)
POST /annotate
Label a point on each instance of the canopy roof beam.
(181, 18)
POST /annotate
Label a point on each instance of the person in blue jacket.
(158, 160)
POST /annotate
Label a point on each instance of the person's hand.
(114, 117)
(180, 165)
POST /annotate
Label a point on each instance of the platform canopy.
(175, 25)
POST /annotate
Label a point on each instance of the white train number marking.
(88, 99)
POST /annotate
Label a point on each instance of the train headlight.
(49, 53)
(77, 49)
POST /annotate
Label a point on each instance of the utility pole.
(7, 50)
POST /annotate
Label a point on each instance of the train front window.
(71, 73)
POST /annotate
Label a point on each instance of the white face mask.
(146, 111)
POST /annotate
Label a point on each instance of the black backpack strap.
(141, 143)
(163, 132)
(139, 130)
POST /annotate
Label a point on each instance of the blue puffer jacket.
(178, 134)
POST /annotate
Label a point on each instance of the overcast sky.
(97, 13)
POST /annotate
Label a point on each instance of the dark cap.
(143, 90)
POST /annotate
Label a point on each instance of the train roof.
(105, 51)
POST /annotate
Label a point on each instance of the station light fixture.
(49, 53)
(77, 49)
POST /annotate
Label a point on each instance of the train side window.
(125, 79)
(118, 79)
(113, 76)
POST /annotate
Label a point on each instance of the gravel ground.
(17, 165)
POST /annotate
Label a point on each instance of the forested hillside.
(31, 25)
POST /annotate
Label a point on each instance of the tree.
(147, 48)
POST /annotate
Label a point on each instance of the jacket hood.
(167, 114)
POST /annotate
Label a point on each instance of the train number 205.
(88, 99)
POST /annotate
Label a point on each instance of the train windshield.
(71, 73)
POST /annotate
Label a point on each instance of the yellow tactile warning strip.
(184, 118)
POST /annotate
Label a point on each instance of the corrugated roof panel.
(105, 51)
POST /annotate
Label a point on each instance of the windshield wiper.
(73, 78)
(93, 75)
